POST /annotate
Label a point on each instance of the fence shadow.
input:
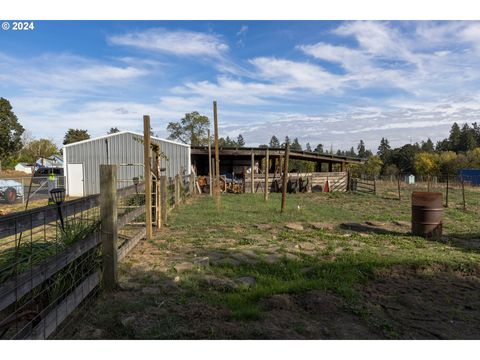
(376, 229)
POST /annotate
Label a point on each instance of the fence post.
(177, 189)
(446, 194)
(252, 173)
(463, 195)
(163, 198)
(267, 160)
(191, 184)
(148, 176)
(108, 216)
(374, 186)
(285, 177)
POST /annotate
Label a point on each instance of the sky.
(329, 82)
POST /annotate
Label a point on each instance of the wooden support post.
(330, 167)
(374, 186)
(164, 198)
(210, 182)
(177, 189)
(216, 184)
(266, 175)
(244, 179)
(252, 173)
(191, 183)
(446, 195)
(158, 204)
(108, 217)
(285, 177)
(463, 196)
(147, 176)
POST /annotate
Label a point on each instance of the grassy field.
(333, 266)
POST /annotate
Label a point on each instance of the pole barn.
(82, 160)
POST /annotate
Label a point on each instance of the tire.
(10, 195)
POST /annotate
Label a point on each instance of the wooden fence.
(44, 278)
(316, 181)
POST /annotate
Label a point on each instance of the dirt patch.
(410, 304)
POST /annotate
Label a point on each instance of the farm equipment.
(10, 191)
(229, 185)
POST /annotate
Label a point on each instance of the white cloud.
(180, 43)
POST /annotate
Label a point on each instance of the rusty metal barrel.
(427, 214)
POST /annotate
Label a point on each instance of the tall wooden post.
(147, 176)
(177, 190)
(108, 216)
(158, 204)
(216, 184)
(209, 163)
(463, 196)
(252, 173)
(446, 195)
(266, 175)
(285, 177)
(164, 198)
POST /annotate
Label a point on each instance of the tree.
(373, 166)
(226, 142)
(287, 140)
(427, 146)
(240, 141)
(42, 148)
(404, 158)
(274, 142)
(113, 130)
(455, 138)
(473, 158)
(192, 129)
(384, 150)
(319, 149)
(351, 152)
(427, 164)
(10, 131)
(75, 135)
(308, 147)
(295, 145)
(468, 139)
(448, 162)
(361, 149)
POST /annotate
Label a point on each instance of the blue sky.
(324, 82)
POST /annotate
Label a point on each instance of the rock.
(222, 284)
(183, 267)
(202, 261)
(364, 235)
(294, 226)
(246, 280)
(291, 257)
(375, 223)
(322, 226)
(176, 279)
(264, 226)
(127, 320)
(151, 291)
(306, 246)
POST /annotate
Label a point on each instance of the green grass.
(341, 273)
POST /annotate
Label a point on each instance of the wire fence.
(19, 190)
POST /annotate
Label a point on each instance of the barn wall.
(122, 149)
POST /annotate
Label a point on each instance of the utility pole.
(285, 176)
(217, 157)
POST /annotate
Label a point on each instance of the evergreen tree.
(308, 147)
(274, 143)
(287, 140)
(468, 140)
(384, 150)
(427, 146)
(75, 135)
(319, 149)
(240, 141)
(295, 146)
(113, 130)
(352, 152)
(361, 149)
(10, 131)
(455, 138)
